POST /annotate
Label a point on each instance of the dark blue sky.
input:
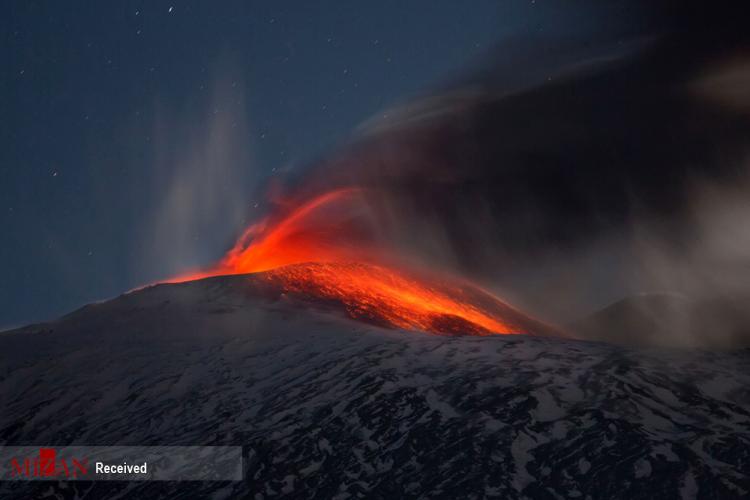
(137, 137)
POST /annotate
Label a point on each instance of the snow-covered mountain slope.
(326, 407)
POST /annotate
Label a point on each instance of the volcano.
(356, 341)
(326, 405)
(317, 250)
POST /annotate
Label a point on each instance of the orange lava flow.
(315, 252)
(396, 299)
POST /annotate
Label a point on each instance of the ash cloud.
(615, 174)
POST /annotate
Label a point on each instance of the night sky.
(138, 137)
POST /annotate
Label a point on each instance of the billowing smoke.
(602, 188)
(619, 174)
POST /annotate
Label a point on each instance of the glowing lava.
(398, 299)
(317, 230)
(320, 251)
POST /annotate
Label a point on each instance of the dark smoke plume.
(575, 175)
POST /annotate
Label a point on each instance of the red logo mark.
(47, 464)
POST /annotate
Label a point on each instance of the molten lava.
(396, 299)
(317, 230)
(319, 251)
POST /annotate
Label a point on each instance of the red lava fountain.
(316, 251)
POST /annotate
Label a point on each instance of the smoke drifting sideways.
(619, 176)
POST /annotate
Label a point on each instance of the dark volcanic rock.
(329, 408)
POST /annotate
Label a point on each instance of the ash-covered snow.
(329, 408)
